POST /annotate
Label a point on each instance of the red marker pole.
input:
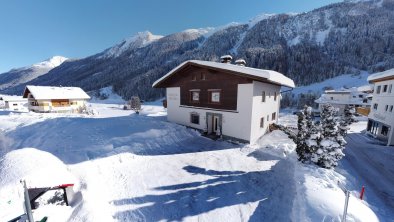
(362, 192)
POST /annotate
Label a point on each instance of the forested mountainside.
(340, 38)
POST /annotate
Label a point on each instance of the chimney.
(240, 62)
(226, 59)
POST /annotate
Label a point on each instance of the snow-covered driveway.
(129, 167)
(371, 165)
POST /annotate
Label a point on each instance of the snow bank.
(317, 195)
(277, 143)
(319, 198)
(39, 169)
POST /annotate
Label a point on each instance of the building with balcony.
(55, 99)
(358, 97)
(381, 117)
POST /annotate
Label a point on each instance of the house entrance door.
(215, 124)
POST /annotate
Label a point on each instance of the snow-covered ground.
(129, 167)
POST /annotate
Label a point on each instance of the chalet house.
(381, 117)
(339, 99)
(13, 103)
(55, 99)
(232, 101)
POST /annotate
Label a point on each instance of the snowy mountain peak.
(53, 62)
(139, 40)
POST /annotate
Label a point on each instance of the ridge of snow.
(252, 22)
(50, 63)
(208, 31)
(53, 62)
(138, 40)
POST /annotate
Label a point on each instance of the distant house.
(381, 118)
(233, 101)
(13, 103)
(356, 97)
(55, 99)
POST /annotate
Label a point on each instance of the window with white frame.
(195, 95)
(263, 96)
(214, 96)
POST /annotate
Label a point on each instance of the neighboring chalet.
(356, 97)
(13, 103)
(55, 99)
(232, 101)
(381, 118)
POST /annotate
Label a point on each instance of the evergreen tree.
(307, 136)
(347, 119)
(332, 143)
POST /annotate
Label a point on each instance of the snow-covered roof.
(365, 88)
(340, 91)
(12, 98)
(381, 75)
(267, 75)
(52, 92)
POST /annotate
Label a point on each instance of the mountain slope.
(23, 75)
(346, 37)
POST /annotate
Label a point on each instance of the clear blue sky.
(32, 31)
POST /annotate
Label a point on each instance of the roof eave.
(156, 84)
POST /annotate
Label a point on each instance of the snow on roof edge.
(270, 75)
(55, 92)
(380, 75)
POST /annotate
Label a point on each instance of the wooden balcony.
(363, 111)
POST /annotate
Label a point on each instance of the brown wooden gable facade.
(200, 82)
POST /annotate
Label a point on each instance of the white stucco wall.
(16, 105)
(234, 124)
(263, 109)
(380, 114)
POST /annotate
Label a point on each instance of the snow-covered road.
(371, 165)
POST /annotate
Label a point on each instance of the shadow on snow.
(224, 189)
